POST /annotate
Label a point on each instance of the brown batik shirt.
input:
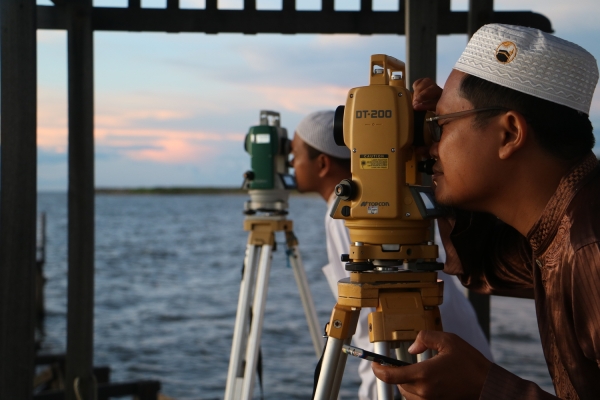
(558, 265)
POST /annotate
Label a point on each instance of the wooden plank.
(18, 165)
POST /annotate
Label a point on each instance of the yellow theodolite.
(388, 213)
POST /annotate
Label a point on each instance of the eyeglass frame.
(436, 130)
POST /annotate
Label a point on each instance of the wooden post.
(18, 165)
(420, 18)
(421, 39)
(480, 13)
(80, 306)
(40, 280)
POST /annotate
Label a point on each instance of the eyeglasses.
(436, 130)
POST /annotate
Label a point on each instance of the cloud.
(128, 118)
(166, 146)
(52, 118)
(302, 99)
(45, 156)
(172, 151)
(565, 16)
(51, 37)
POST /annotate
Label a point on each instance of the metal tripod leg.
(258, 313)
(245, 347)
(384, 391)
(235, 374)
(305, 296)
(340, 329)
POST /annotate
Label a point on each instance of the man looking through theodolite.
(319, 166)
(515, 160)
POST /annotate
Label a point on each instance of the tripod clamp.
(406, 303)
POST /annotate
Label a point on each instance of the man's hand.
(458, 371)
(426, 94)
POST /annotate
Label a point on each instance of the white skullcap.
(316, 130)
(533, 62)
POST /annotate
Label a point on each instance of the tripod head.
(268, 182)
(384, 205)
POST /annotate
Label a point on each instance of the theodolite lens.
(338, 126)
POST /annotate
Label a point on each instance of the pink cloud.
(167, 146)
(172, 151)
(130, 117)
(115, 127)
(302, 99)
(119, 130)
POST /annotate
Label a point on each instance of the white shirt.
(457, 313)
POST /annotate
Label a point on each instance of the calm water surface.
(168, 271)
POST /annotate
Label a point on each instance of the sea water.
(168, 270)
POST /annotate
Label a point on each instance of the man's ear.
(515, 134)
(323, 165)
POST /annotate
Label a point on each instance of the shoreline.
(171, 190)
(175, 190)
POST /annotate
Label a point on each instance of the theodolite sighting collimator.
(385, 206)
(268, 182)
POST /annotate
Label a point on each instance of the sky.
(173, 109)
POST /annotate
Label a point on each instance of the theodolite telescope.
(268, 182)
(385, 206)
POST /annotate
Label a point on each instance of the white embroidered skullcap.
(316, 129)
(533, 62)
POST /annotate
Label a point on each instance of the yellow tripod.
(406, 302)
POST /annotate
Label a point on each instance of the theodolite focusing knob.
(345, 257)
(344, 189)
(249, 175)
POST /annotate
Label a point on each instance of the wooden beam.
(80, 306)
(288, 20)
(18, 165)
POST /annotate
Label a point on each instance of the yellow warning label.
(373, 161)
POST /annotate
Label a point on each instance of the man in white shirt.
(319, 166)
